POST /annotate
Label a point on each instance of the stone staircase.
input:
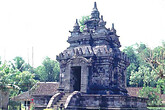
(61, 101)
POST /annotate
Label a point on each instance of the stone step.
(58, 105)
(62, 100)
(55, 106)
(64, 96)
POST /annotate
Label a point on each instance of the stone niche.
(94, 64)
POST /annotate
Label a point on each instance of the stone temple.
(93, 63)
(93, 69)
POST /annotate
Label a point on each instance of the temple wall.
(108, 102)
(41, 101)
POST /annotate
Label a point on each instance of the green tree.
(19, 64)
(6, 85)
(161, 86)
(143, 70)
(82, 21)
(147, 70)
(13, 79)
(48, 71)
(143, 77)
(21, 74)
(134, 62)
(25, 80)
(151, 94)
(5, 81)
(156, 60)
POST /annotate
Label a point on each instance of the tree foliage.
(151, 94)
(82, 21)
(147, 65)
(14, 79)
(147, 70)
(134, 63)
(18, 64)
(48, 71)
(5, 81)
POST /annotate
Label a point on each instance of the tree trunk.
(4, 99)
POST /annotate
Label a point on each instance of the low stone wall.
(106, 102)
(40, 101)
(112, 101)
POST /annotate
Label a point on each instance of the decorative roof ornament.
(76, 27)
(102, 23)
(95, 13)
(113, 30)
(95, 6)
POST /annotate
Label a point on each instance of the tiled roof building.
(40, 93)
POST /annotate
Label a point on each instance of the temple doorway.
(76, 73)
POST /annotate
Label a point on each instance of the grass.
(48, 109)
(150, 108)
(156, 108)
(53, 109)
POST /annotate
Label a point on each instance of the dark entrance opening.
(76, 72)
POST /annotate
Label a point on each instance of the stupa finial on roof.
(102, 23)
(95, 13)
(113, 29)
(76, 27)
(95, 6)
(113, 26)
(76, 24)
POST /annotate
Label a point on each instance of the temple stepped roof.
(87, 50)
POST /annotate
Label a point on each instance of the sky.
(44, 24)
